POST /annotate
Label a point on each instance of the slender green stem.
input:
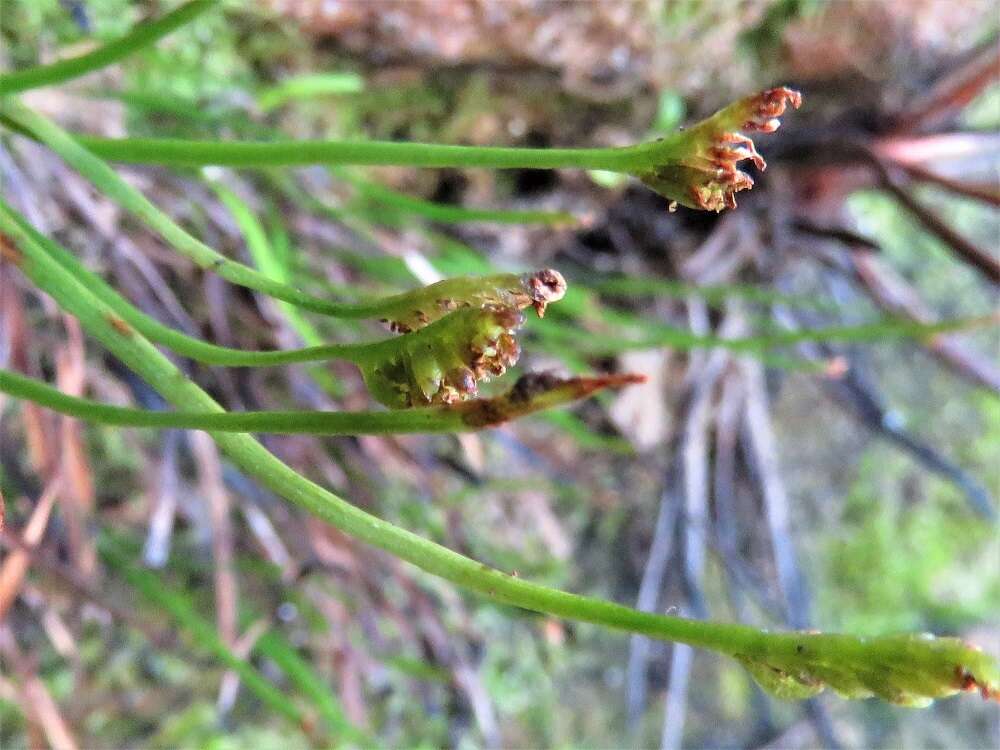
(592, 343)
(74, 67)
(301, 673)
(648, 286)
(260, 154)
(310, 87)
(466, 417)
(424, 420)
(203, 351)
(598, 344)
(107, 180)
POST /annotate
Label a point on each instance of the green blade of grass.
(269, 263)
(892, 328)
(300, 673)
(632, 286)
(142, 36)
(446, 214)
(310, 87)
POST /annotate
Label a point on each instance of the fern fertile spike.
(698, 167)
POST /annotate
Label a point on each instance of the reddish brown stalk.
(893, 294)
(967, 251)
(38, 704)
(79, 499)
(938, 146)
(952, 92)
(989, 194)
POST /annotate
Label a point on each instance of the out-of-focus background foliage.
(841, 486)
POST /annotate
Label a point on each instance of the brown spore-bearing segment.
(444, 362)
(119, 324)
(701, 169)
(767, 106)
(535, 391)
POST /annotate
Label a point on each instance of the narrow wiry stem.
(439, 362)
(263, 154)
(74, 67)
(531, 393)
(695, 167)
(405, 313)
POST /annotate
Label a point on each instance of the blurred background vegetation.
(836, 484)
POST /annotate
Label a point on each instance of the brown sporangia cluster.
(767, 106)
(9, 253)
(544, 287)
(699, 167)
(489, 356)
(729, 147)
(444, 362)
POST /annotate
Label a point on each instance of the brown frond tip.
(968, 683)
(544, 287)
(729, 147)
(768, 106)
(535, 391)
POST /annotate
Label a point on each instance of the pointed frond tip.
(698, 168)
(907, 670)
(537, 391)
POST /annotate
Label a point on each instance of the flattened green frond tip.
(906, 670)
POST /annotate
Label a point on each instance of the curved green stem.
(904, 670)
(108, 181)
(396, 306)
(74, 67)
(128, 315)
(450, 350)
(141, 356)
